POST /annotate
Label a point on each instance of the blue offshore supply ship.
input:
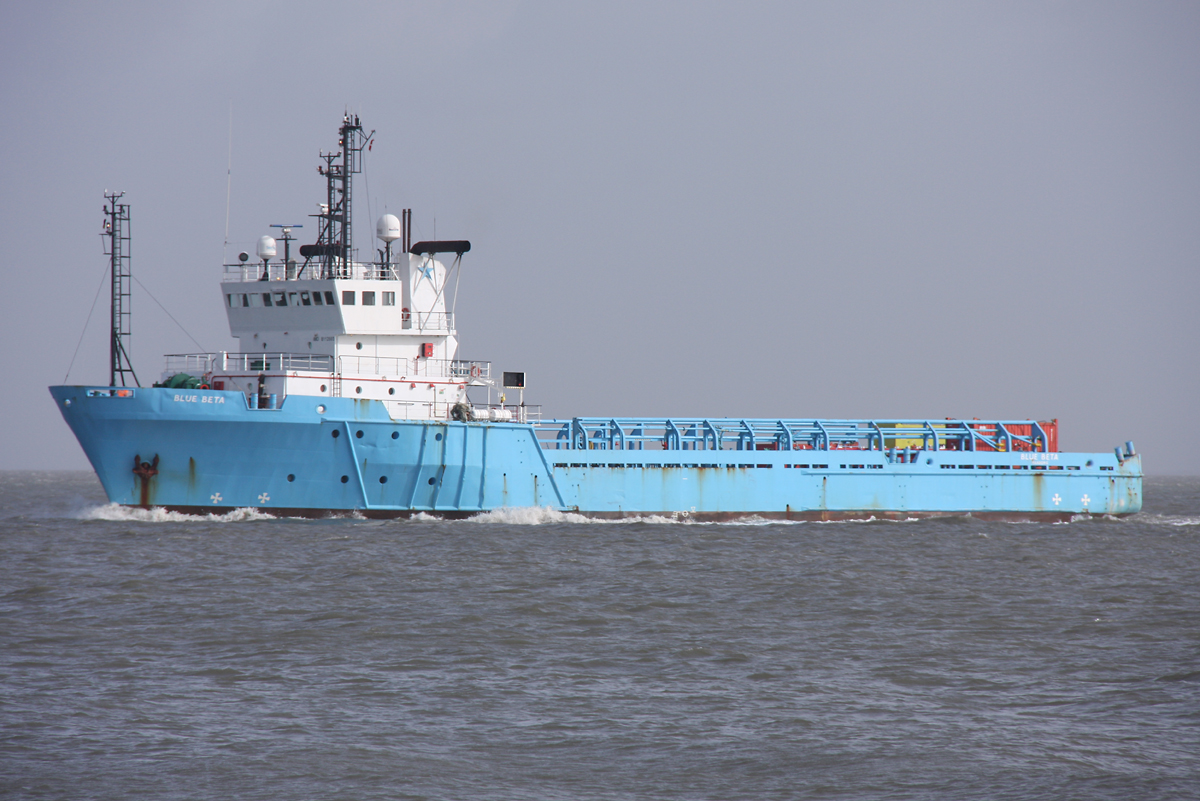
(347, 396)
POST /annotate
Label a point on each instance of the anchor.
(145, 471)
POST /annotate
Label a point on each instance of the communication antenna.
(116, 232)
(288, 239)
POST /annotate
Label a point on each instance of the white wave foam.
(1166, 520)
(530, 516)
(541, 515)
(157, 514)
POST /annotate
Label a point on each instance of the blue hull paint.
(214, 453)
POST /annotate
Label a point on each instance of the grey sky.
(765, 209)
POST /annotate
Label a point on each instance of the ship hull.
(205, 451)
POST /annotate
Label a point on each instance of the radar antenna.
(335, 240)
(116, 232)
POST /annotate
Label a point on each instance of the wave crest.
(156, 514)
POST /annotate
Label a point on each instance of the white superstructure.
(330, 326)
(380, 331)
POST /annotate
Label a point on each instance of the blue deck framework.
(205, 451)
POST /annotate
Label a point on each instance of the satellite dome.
(388, 228)
(266, 248)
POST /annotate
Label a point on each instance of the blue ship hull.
(204, 451)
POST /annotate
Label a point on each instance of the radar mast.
(335, 239)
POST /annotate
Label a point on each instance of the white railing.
(427, 321)
(202, 363)
(278, 271)
(415, 368)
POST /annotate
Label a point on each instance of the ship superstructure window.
(368, 298)
(389, 298)
(304, 299)
(280, 299)
(292, 299)
(230, 297)
(317, 299)
(328, 298)
(266, 296)
(348, 297)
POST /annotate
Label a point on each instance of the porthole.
(321, 409)
(336, 433)
(358, 390)
(928, 461)
(345, 479)
(437, 437)
(358, 345)
(432, 481)
(291, 476)
(67, 402)
(1089, 461)
(322, 387)
(391, 390)
(383, 479)
(395, 435)
(358, 433)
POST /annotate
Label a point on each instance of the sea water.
(530, 654)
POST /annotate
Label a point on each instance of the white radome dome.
(388, 228)
(266, 248)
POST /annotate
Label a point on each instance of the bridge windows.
(238, 300)
(368, 298)
(389, 298)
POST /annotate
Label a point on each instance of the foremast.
(116, 247)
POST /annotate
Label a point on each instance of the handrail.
(202, 363)
(401, 369)
(246, 272)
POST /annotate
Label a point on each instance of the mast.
(335, 239)
(116, 232)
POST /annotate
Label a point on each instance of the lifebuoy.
(204, 386)
(404, 314)
(474, 371)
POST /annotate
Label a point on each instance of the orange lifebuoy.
(204, 386)
(404, 314)
(474, 371)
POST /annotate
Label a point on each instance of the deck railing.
(298, 271)
(202, 363)
(405, 369)
(400, 369)
(767, 434)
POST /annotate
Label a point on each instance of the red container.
(1051, 429)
